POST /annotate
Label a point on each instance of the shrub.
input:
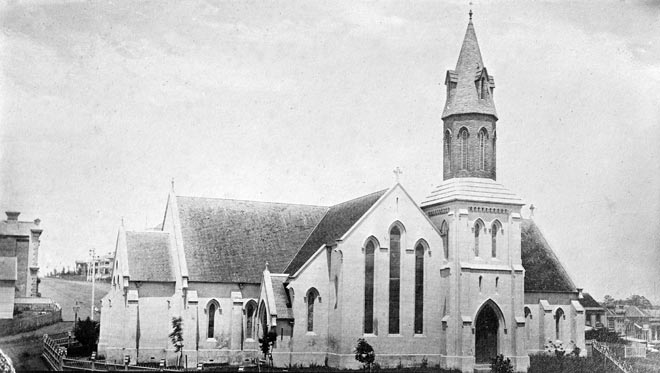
(364, 353)
(266, 343)
(176, 336)
(87, 333)
(500, 364)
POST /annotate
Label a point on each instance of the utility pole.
(92, 253)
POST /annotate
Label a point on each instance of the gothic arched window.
(448, 148)
(559, 316)
(395, 280)
(477, 231)
(211, 325)
(463, 139)
(483, 137)
(494, 230)
(369, 287)
(419, 289)
(444, 233)
(250, 312)
(312, 294)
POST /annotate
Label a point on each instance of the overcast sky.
(104, 102)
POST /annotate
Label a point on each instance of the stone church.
(450, 282)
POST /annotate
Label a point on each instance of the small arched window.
(419, 288)
(483, 137)
(484, 88)
(369, 287)
(448, 149)
(312, 294)
(559, 316)
(463, 139)
(444, 233)
(480, 280)
(494, 231)
(477, 231)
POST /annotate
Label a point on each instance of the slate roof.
(464, 98)
(149, 256)
(8, 268)
(471, 189)
(633, 311)
(228, 240)
(543, 271)
(282, 302)
(334, 224)
(589, 302)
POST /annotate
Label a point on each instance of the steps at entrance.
(481, 368)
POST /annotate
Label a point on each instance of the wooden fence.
(55, 354)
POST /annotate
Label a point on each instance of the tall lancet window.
(419, 289)
(463, 138)
(369, 288)
(477, 232)
(395, 280)
(483, 137)
(494, 230)
(444, 233)
(448, 149)
(211, 326)
(312, 295)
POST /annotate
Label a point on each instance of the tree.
(87, 333)
(639, 301)
(176, 336)
(365, 354)
(608, 301)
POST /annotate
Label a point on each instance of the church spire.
(469, 116)
(469, 87)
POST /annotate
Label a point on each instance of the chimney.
(580, 295)
(12, 215)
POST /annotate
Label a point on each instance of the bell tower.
(469, 117)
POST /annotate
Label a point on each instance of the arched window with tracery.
(395, 280)
(494, 231)
(419, 288)
(312, 295)
(444, 233)
(477, 231)
(483, 137)
(369, 287)
(463, 139)
(448, 149)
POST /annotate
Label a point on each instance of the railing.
(608, 353)
(634, 352)
(53, 353)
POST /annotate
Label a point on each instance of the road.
(66, 293)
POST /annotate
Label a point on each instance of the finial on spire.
(531, 211)
(470, 13)
(397, 173)
(172, 181)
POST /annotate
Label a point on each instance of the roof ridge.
(357, 198)
(251, 200)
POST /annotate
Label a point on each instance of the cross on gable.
(397, 173)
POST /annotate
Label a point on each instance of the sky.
(103, 103)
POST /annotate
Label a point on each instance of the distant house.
(595, 314)
(654, 323)
(19, 252)
(616, 319)
(102, 267)
(637, 323)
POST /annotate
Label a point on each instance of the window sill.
(395, 335)
(370, 335)
(211, 340)
(419, 335)
(310, 333)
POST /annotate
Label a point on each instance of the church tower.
(469, 116)
(482, 278)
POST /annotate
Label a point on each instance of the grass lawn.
(25, 349)
(67, 292)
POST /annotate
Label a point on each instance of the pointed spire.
(465, 82)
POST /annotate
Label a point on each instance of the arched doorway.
(487, 327)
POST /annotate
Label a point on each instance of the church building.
(450, 282)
